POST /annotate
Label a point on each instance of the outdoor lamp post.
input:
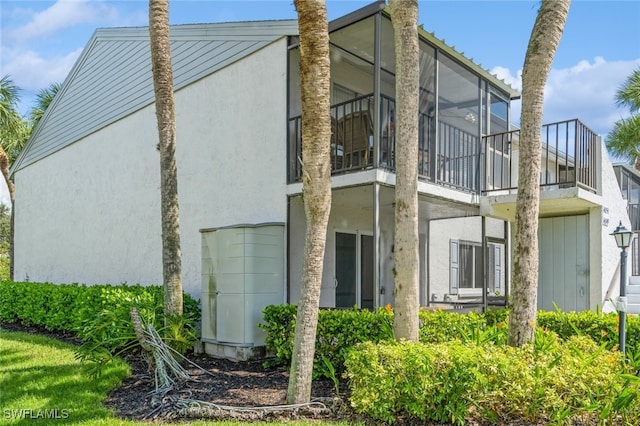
(623, 239)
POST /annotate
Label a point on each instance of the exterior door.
(354, 270)
(366, 272)
(564, 263)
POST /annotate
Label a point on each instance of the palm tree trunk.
(165, 114)
(4, 167)
(404, 16)
(316, 186)
(543, 44)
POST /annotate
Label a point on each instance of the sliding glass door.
(354, 270)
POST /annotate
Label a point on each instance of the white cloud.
(585, 91)
(63, 14)
(33, 72)
(505, 74)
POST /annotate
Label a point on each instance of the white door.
(563, 273)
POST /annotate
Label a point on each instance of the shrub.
(442, 326)
(341, 329)
(549, 381)
(601, 327)
(279, 322)
(98, 314)
(423, 381)
(338, 330)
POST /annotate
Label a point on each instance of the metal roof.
(112, 77)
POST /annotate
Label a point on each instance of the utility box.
(242, 273)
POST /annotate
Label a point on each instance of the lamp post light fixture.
(623, 240)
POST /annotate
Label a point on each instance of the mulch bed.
(230, 390)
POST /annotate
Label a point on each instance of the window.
(466, 271)
(625, 186)
(470, 266)
(494, 274)
(634, 192)
(635, 256)
(498, 113)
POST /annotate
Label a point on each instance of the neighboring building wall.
(90, 213)
(605, 275)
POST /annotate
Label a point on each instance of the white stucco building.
(88, 202)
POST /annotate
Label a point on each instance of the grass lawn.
(41, 381)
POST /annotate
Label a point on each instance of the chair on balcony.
(357, 135)
(337, 146)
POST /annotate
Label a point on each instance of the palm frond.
(43, 100)
(624, 140)
(628, 94)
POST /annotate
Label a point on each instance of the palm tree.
(14, 130)
(165, 114)
(404, 16)
(624, 140)
(316, 186)
(14, 133)
(9, 98)
(543, 43)
(43, 100)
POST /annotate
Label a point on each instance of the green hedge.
(97, 313)
(339, 330)
(547, 382)
(602, 328)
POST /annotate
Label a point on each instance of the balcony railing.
(458, 159)
(351, 138)
(569, 158)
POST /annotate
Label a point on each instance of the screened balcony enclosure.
(465, 140)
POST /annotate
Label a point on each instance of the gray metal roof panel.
(112, 77)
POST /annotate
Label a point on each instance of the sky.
(41, 40)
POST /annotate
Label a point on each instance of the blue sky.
(41, 40)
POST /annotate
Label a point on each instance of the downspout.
(376, 157)
(287, 243)
(377, 101)
(484, 263)
(376, 244)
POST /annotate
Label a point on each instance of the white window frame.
(455, 275)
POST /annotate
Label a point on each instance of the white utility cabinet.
(242, 273)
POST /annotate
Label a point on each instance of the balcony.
(569, 156)
(450, 156)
